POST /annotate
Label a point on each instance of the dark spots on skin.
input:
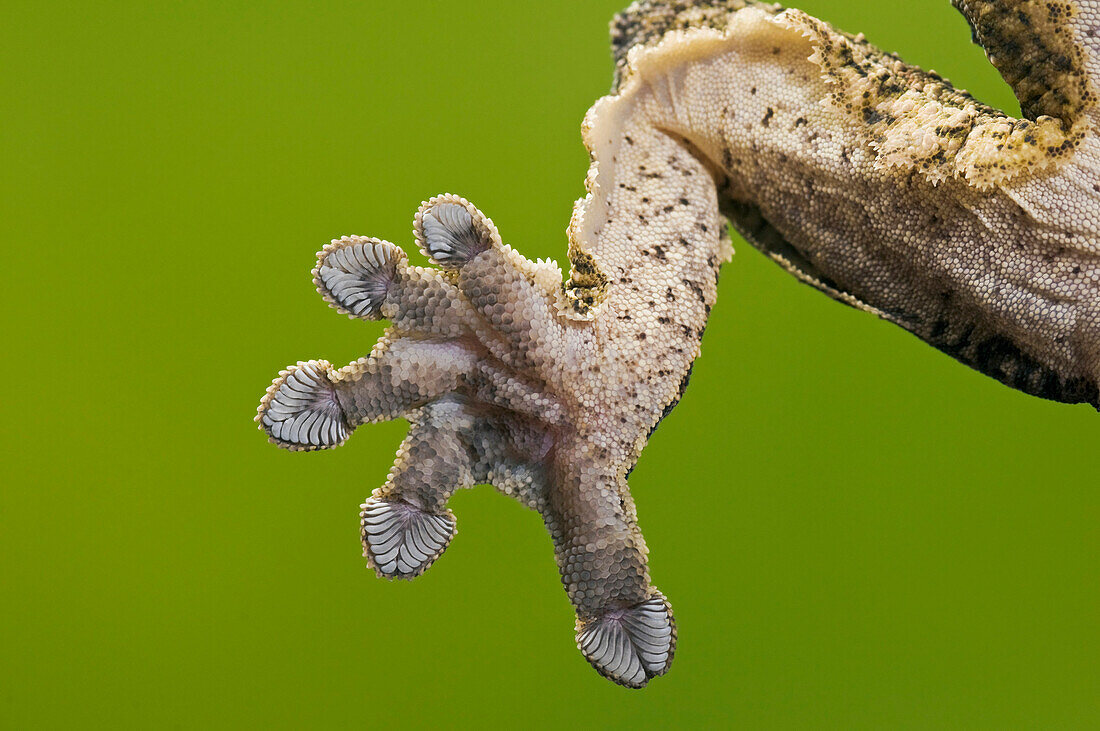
(727, 159)
(753, 91)
(767, 121)
(800, 122)
(585, 265)
(628, 140)
(663, 320)
(683, 201)
(872, 116)
(641, 336)
(698, 290)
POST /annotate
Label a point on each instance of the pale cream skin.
(878, 184)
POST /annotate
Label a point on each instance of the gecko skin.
(874, 181)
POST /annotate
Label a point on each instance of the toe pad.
(400, 541)
(632, 645)
(300, 412)
(353, 274)
(452, 232)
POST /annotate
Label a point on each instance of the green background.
(854, 530)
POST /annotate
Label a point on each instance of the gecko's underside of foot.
(873, 181)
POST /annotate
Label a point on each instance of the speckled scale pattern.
(876, 182)
(892, 191)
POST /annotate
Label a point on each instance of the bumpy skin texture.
(872, 180)
(507, 376)
(888, 189)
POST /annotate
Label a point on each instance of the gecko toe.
(451, 231)
(400, 541)
(300, 411)
(354, 273)
(632, 645)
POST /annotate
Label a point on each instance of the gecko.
(876, 182)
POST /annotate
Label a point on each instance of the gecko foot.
(400, 541)
(500, 383)
(630, 645)
(300, 411)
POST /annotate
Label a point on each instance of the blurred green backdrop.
(855, 531)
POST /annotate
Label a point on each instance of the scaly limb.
(405, 526)
(890, 190)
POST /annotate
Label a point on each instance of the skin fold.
(871, 180)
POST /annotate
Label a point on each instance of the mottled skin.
(892, 191)
(877, 183)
